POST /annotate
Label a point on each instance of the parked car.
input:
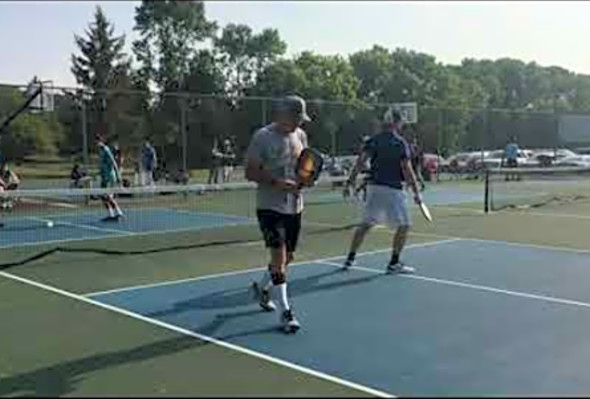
(582, 161)
(461, 162)
(334, 167)
(495, 159)
(547, 157)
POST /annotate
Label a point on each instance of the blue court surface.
(478, 318)
(24, 230)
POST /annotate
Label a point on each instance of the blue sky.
(36, 37)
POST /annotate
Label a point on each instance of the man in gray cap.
(271, 162)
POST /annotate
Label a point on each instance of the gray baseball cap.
(293, 105)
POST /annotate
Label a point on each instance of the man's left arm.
(113, 164)
(409, 175)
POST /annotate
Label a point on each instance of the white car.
(582, 161)
(495, 158)
(564, 153)
(548, 157)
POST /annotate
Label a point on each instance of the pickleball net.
(38, 223)
(527, 188)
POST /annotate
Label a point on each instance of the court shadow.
(61, 379)
(243, 296)
(211, 329)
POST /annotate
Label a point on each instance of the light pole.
(80, 97)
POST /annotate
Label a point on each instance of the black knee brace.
(277, 277)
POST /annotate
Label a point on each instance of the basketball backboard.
(44, 102)
(408, 110)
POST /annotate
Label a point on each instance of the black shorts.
(512, 163)
(279, 229)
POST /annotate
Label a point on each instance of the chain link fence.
(184, 128)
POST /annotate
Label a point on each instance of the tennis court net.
(523, 188)
(40, 222)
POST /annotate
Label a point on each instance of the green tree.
(100, 61)
(373, 68)
(320, 77)
(169, 33)
(101, 54)
(312, 76)
(166, 51)
(100, 66)
(243, 54)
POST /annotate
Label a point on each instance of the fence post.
(486, 194)
(84, 131)
(183, 128)
(484, 130)
(263, 112)
(439, 131)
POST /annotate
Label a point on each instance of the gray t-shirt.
(278, 153)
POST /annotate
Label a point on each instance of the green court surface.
(57, 341)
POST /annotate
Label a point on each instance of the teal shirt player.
(511, 151)
(108, 167)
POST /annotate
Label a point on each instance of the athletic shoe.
(263, 297)
(348, 263)
(400, 268)
(290, 323)
(110, 219)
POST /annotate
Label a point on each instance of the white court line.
(81, 226)
(478, 287)
(135, 234)
(251, 270)
(556, 215)
(511, 213)
(455, 208)
(56, 204)
(197, 213)
(206, 338)
(508, 243)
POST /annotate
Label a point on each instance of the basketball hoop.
(409, 112)
(44, 101)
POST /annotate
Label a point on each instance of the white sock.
(111, 212)
(283, 300)
(119, 211)
(265, 283)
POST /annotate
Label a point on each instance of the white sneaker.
(263, 297)
(400, 268)
(290, 323)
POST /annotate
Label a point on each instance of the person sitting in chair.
(77, 177)
(9, 181)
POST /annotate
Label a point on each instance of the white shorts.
(146, 178)
(386, 205)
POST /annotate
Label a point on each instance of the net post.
(486, 194)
